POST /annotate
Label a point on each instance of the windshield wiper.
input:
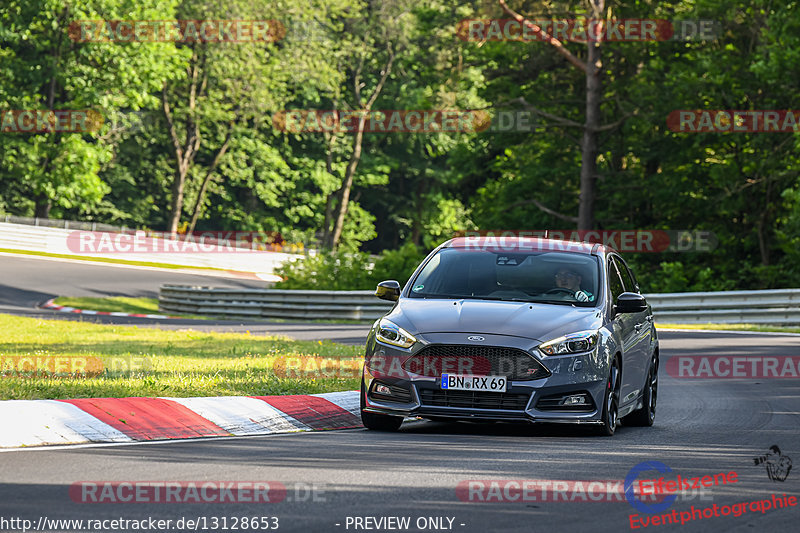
(499, 299)
(555, 302)
(489, 298)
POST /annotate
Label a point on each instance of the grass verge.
(117, 304)
(731, 327)
(149, 306)
(121, 304)
(108, 260)
(132, 361)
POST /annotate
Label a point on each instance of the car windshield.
(536, 276)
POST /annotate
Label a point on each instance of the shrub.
(349, 270)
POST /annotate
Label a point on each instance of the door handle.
(649, 318)
(638, 327)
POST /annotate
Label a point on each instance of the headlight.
(582, 341)
(391, 333)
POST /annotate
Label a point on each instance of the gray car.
(531, 330)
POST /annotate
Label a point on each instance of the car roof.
(525, 244)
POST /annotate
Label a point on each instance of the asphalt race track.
(703, 427)
(27, 282)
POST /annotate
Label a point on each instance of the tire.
(645, 416)
(611, 402)
(376, 421)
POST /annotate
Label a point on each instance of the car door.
(624, 323)
(643, 329)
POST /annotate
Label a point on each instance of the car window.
(536, 276)
(614, 281)
(627, 279)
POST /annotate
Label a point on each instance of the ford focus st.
(519, 330)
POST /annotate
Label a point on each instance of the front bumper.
(522, 401)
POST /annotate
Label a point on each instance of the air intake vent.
(473, 400)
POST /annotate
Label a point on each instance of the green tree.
(45, 69)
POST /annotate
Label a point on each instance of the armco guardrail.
(272, 303)
(780, 306)
(776, 307)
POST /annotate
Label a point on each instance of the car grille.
(437, 359)
(473, 399)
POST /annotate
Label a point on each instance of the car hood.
(519, 319)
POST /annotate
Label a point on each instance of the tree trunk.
(356, 156)
(176, 203)
(593, 69)
(327, 230)
(42, 206)
(348, 182)
(186, 151)
(592, 124)
(42, 203)
(416, 224)
(763, 245)
(198, 205)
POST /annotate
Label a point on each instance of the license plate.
(476, 383)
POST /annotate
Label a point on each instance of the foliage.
(397, 264)
(414, 187)
(44, 69)
(327, 271)
(348, 270)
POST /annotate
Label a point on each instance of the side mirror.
(388, 290)
(630, 302)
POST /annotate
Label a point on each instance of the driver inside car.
(571, 280)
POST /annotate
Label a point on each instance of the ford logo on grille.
(475, 338)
